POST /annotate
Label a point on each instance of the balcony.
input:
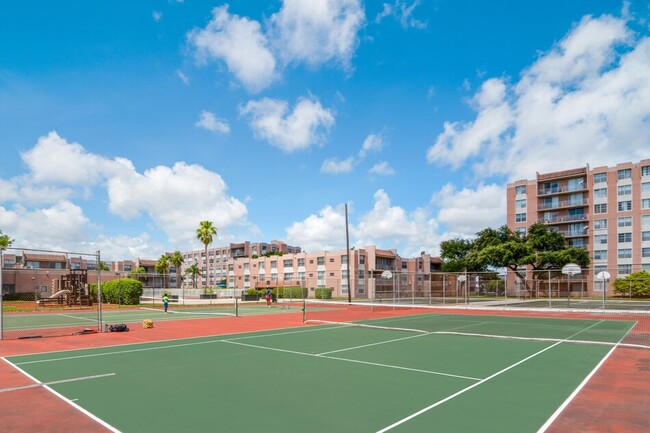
(562, 204)
(564, 219)
(560, 189)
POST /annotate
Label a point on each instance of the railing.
(564, 218)
(563, 204)
(559, 189)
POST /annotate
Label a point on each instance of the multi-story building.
(214, 267)
(605, 210)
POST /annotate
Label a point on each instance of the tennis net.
(610, 327)
(192, 306)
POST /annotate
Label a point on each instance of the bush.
(125, 291)
(638, 282)
(292, 292)
(22, 296)
(323, 293)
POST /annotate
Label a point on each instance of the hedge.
(125, 291)
(323, 293)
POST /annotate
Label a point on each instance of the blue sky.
(123, 124)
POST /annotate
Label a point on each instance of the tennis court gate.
(48, 293)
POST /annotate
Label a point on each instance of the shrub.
(638, 282)
(125, 291)
(292, 292)
(323, 293)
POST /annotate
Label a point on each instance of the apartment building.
(605, 210)
(214, 267)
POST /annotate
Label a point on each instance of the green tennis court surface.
(334, 378)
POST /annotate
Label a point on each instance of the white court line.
(78, 318)
(65, 399)
(481, 382)
(56, 382)
(370, 344)
(355, 361)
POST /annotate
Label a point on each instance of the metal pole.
(99, 293)
(347, 244)
(568, 293)
(1, 294)
(550, 304)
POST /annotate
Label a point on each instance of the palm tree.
(176, 259)
(5, 241)
(162, 266)
(193, 270)
(204, 233)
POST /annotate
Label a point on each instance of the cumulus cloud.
(240, 43)
(322, 231)
(584, 101)
(212, 123)
(334, 166)
(372, 143)
(43, 199)
(317, 31)
(299, 129)
(313, 33)
(382, 168)
(467, 211)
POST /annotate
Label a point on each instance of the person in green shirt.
(165, 301)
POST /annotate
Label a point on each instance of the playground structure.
(71, 289)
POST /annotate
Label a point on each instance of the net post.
(99, 292)
(304, 310)
(236, 307)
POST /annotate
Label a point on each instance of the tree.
(539, 249)
(103, 266)
(637, 283)
(176, 259)
(205, 234)
(138, 274)
(193, 270)
(5, 241)
(455, 253)
(162, 267)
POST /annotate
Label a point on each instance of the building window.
(626, 173)
(288, 263)
(600, 224)
(261, 265)
(600, 239)
(600, 254)
(645, 203)
(521, 189)
(625, 222)
(645, 236)
(625, 253)
(301, 262)
(645, 252)
(645, 187)
(600, 268)
(600, 177)
(274, 264)
(624, 237)
(600, 208)
(520, 217)
(320, 261)
(520, 204)
(288, 276)
(624, 269)
(645, 170)
(625, 190)
(600, 193)
(521, 231)
(624, 206)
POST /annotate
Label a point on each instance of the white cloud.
(325, 231)
(372, 143)
(317, 31)
(468, 211)
(212, 123)
(584, 101)
(402, 13)
(183, 77)
(382, 168)
(157, 15)
(334, 166)
(305, 126)
(240, 43)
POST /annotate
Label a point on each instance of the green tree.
(138, 274)
(455, 253)
(193, 270)
(162, 267)
(103, 266)
(539, 249)
(637, 283)
(176, 259)
(205, 234)
(5, 241)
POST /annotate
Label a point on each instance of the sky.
(123, 124)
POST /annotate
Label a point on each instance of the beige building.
(605, 210)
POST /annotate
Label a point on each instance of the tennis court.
(404, 370)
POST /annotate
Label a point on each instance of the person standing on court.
(268, 296)
(165, 301)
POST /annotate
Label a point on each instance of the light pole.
(570, 269)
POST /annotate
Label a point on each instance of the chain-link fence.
(46, 293)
